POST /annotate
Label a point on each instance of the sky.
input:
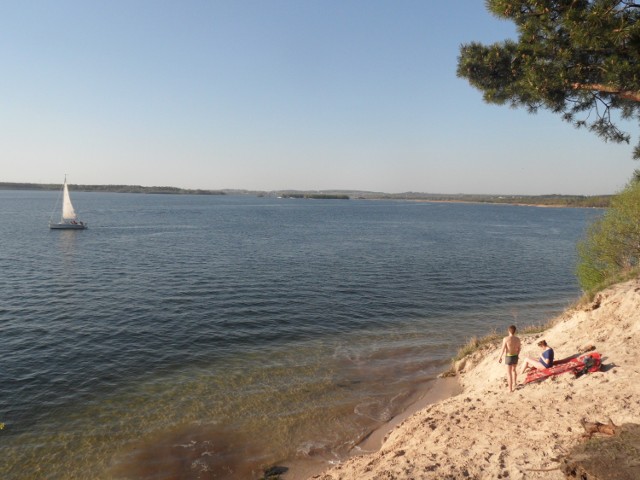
(273, 95)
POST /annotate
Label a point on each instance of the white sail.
(68, 213)
(69, 220)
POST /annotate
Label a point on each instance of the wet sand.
(435, 391)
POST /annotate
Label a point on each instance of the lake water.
(198, 337)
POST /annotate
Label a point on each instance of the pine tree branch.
(598, 87)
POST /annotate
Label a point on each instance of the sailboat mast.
(65, 195)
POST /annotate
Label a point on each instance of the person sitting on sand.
(511, 349)
(544, 361)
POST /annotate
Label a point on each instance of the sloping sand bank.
(487, 433)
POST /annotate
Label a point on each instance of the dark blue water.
(211, 336)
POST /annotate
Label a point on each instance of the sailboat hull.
(67, 226)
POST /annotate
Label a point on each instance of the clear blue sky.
(275, 94)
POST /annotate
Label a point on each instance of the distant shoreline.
(517, 204)
(109, 188)
(555, 200)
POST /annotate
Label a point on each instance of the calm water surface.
(208, 337)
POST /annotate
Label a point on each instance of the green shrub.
(611, 248)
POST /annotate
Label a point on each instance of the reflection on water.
(67, 244)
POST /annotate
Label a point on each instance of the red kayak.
(589, 362)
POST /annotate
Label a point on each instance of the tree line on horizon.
(109, 188)
(554, 200)
(584, 201)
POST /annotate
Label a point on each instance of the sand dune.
(486, 432)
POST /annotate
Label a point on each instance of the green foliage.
(577, 58)
(611, 248)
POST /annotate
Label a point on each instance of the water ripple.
(128, 347)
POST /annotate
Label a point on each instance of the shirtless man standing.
(511, 349)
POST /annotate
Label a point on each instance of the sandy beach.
(486, 432)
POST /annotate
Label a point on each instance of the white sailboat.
(69, 219)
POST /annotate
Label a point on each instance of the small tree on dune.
(611, 248)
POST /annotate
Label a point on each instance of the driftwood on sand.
(591, 428)
(614, 456)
